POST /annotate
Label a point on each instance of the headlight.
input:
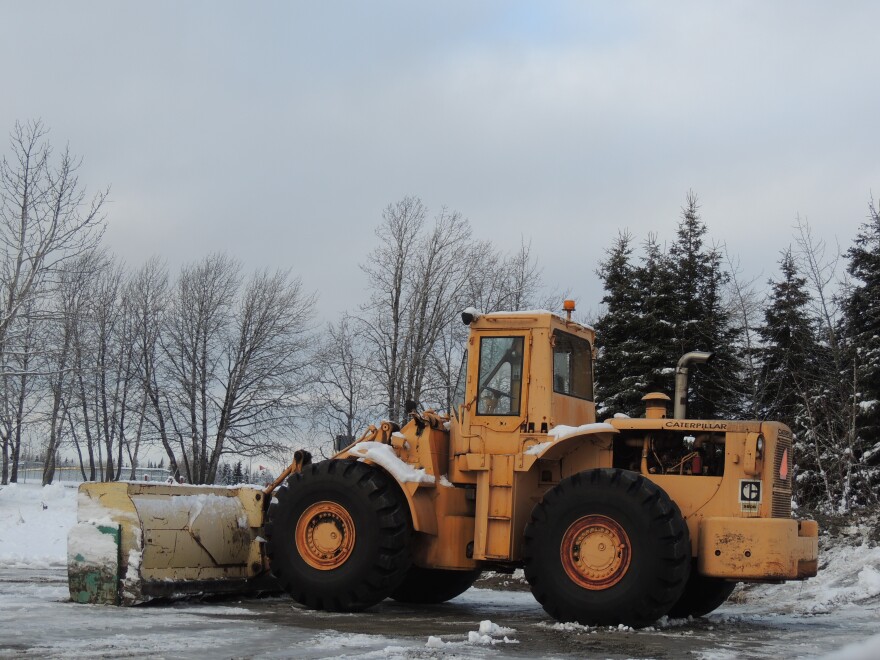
(759, 447)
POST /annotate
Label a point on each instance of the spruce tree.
(789, 345)
(656, 330)
(618, 380)
(237, 474)
(700, 319)
(863, 329)
(791, 375)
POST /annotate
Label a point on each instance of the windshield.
(501, 364)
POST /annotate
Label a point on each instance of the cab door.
(498, 391)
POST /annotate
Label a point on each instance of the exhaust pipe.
(681, 379)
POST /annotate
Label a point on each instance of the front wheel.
(606, 547)
(339, 536)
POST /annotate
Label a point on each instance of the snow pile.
(473, 311)
(90, 545)
(561, 431)
(34, 522)
(568, 626)
(384, 456)
(215, 507)
(489, 632)
(535, 450)
(849, 575)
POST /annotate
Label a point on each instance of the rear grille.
(782, 487)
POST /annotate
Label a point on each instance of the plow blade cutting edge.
(137, 541)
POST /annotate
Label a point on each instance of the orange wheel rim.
(325, 535)
(595, 552)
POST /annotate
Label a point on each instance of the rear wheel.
(606, 547)
(701, 595)
(428, 586)
(338, 536)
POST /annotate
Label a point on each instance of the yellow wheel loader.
(622, 521)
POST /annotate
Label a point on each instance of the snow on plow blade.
(137, 541)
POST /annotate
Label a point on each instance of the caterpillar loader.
(621, 521)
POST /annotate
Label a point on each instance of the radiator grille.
(782, 486)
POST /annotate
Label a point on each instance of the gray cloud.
(279, 131)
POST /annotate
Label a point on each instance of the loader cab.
(523, 373)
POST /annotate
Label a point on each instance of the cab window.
(572, 366)
(500, 379)
(458, 393)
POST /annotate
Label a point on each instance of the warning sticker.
(749, 494)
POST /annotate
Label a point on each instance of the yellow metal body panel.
(757, 548)
(174, 534)
(447, 547)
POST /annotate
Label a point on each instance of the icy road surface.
(836, 613)
(37, 621)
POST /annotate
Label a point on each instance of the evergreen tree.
(618, 381)
(863, 325)
(656, 330)
(790, 374)
(656, 312)
(701, 321)
(790, 349)
(237, 474)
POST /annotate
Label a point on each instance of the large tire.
(429, 586)
(701, 595)
(338, 536)
(607, 547)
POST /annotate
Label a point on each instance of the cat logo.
(749, 494)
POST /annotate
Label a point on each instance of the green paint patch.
(94, 578)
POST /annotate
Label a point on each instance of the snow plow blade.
(137, 541)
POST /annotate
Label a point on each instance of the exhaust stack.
(681, 379)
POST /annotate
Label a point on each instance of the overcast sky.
(278, 131)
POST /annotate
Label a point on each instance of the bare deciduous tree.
(225, 367)
(46, 222)
(347, 396)
(829, 398)
(420, 279)
(192, 343)
(147, 295)
(45, 219)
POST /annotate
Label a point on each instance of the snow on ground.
(836, 614)
(848, 576)
(869, 649)
(34, 522)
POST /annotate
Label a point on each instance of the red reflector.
(783, 466)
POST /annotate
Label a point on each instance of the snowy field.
(836, 615)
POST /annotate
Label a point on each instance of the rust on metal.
(325, 535)
(595, 552)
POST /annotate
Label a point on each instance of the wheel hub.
(325, 535)
(595, 552)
